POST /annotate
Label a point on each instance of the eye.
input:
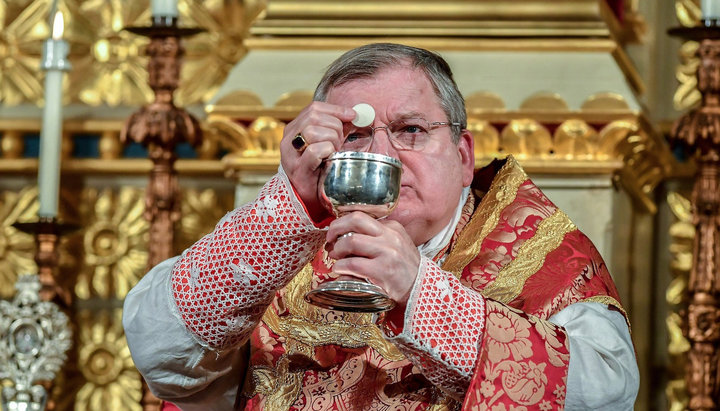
(412, 128)
(409, 126)
(357, 135)
(352, 137)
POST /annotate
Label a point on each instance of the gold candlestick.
(47, 232)
(161, 126)
(698, 132)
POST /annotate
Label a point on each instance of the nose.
(381, 143)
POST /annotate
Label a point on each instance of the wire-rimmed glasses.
(404, 134)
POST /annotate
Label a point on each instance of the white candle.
(164, 8)
(710, 9)
(54, 63)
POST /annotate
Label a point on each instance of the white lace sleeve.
(176, 367)
(224, 282)
(444, 323)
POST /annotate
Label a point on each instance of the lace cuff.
(224, 282)
(443, 328)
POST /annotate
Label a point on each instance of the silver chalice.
(357, 181)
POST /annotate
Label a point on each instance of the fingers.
(314, 135)
(378, 251)
(357, 223)
(318, 122)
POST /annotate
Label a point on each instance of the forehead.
(399, 89)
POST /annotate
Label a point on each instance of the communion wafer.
(364, 115)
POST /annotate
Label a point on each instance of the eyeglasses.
(404, 134)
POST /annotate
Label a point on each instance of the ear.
(466, 150)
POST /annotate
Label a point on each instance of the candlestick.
(167, 8)
(710, 11)
(54, 62)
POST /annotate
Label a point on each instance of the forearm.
(176, 366)
(224, 282)
(442, 330)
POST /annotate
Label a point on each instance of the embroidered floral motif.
(520, 356)
(505, 336)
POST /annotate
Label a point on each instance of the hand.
(321, 126)
(377, 250)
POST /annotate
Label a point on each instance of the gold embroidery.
(304, 329)
(280, 386)
(530, 258)
(607, 300)
(502, 193)
(309, 325)
(444, 403)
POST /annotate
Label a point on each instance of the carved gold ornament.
(17, 249)
(109, 63)
(114, 242)
(687, 95)
(111, 381)
(682, 233)
(23, 28)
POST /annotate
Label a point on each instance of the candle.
(54, 63)
(164, 8)
(710, 9)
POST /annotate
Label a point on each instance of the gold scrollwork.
(23, 29)
(682, 233)
(109, 63)
(17, 249)
(687, 95)
(201, 210)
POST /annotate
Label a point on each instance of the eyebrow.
(412, 114)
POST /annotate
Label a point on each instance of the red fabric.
(168, 406)
(485, 347)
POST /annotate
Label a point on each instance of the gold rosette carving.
(114, 242)
(111, 381)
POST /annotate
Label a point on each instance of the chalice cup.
(357, 181)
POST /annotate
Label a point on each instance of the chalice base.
(350, 296)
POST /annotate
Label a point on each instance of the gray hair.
(366, 61)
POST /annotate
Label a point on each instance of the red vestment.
(475, 330)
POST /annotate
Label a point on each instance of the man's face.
(433, 178)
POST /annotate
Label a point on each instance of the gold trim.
(528, 10)
(475, 44)
(118, 166)
(530, 257)
(628, 69)
(607, 300)
(413, 29)
(502, 193)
